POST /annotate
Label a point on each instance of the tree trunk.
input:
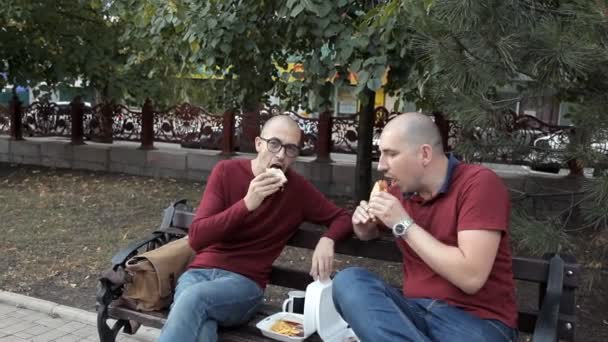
(228, 133)
(15, 111)
(147, 126)
(363, 170)
(77, 113)
(323, 147)
(251, 129)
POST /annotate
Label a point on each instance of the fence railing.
(194, 127)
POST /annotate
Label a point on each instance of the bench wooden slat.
(283, 276)
(154, 319)
(384, 248)
(286, 277)
(527, 269)
(527, 320)
(536, 270)
(246, 333)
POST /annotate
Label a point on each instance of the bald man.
(450, 221)
(245, 218)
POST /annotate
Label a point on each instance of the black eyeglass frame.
(291, 150)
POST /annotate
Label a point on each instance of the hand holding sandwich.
(262, 186)
(364, 223)
(387, 209)
(382, 207)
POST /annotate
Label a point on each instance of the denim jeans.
(206, 298)
(378, 312)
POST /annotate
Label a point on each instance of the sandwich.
(380, 186)
(278, 173)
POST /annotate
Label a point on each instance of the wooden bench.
(555, 279)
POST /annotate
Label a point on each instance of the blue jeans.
(206, 298)
(378, 312)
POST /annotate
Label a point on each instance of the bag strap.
(119, 259)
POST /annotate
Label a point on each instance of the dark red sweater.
(226, 235)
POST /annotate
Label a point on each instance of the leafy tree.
(42, 41)
(54, 42)
(235, 41)
(244, 42)
(333, 38)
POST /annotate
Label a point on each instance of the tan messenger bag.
(154, 275)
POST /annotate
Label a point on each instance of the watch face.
(399, 228)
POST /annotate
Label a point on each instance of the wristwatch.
(400, 228)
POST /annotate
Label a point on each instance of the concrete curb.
(55, 310)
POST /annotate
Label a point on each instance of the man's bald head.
(280, 122)
(416, 129)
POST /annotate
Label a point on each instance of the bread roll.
(380, 186)
(278, 173)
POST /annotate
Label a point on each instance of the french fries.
(288, 328)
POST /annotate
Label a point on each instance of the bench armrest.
(158, 237)
(120, 258)
(545, 329)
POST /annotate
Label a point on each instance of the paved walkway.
(25, 318)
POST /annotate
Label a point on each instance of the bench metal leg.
(107, 334)
(104, 298)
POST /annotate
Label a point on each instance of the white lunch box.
(320, 316)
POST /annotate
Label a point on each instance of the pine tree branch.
(493, 63)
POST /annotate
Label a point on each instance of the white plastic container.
(320, 315)
(329, 324)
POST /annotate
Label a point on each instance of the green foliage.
(595, 210)
(536, 236)
(51, 41)
(468, 48)
(213, 95)
(236, 42)
(62, 41)
(245, 42)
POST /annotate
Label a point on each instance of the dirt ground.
(60, 228)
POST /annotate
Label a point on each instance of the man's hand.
(364, 223)
(262, 186)
(323, 259)
(387, 208)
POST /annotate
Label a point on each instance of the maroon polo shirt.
(472, 197)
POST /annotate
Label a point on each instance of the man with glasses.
(241, 226)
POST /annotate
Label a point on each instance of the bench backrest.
(524, 269)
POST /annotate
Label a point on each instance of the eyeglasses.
(275, 145)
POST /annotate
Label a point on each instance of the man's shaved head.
(416, 129)
(284, 129)
(281, 122)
